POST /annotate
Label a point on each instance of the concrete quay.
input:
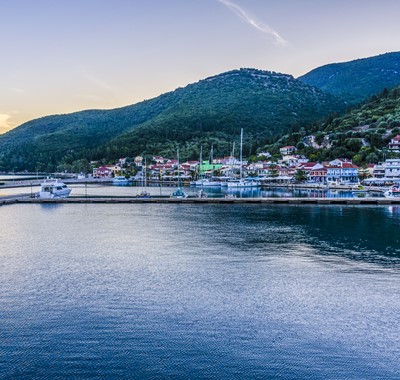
(375, 201)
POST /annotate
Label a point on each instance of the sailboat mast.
(179, 177)
(241, 153)
(201, 161)
(145, 173)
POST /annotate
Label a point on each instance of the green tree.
(300, 175)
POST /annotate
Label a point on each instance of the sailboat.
(205, 181)
(241, 183)
(178, 193)
(144, 193)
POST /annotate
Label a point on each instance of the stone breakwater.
(273, 201)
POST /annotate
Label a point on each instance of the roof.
(288, 147)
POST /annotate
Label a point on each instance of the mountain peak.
(359, 79)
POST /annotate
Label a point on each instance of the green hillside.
(355, 81)
(213, 110)
(361, 134)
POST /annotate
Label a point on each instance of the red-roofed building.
(318, 174)
(102, 172)
(344, 172)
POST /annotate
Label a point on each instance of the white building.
(392, 168)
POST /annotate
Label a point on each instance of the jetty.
(371, 201)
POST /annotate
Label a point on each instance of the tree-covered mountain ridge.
(211, 111)
(357, 80)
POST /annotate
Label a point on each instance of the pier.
(375, 201)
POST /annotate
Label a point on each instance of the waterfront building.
(392, 168)
(318, 174)
(378, 171)
(342, 172)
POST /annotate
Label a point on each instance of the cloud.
(264, 28)
(17, 90)
(5, 125)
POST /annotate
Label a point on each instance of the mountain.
(357, 80)
(211, 111)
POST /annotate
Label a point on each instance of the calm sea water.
(148, 291)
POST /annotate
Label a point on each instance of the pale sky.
(61, 56)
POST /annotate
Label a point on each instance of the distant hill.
(211, 111)
(357, 80)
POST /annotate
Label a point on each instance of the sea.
(208, 291)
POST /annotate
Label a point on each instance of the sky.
(62, 56)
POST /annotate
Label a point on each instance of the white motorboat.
(120, 180)
(242, 183)
(53, 188)
(205, 182)
(392, 192)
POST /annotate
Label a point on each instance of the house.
(340, 162)
(138, 160)
(122, 161)
(318, 174)
(378, 171)
(392, 168)
(102, 172)
(342, 172)
(287, 150)
(158, 159)
(394, 144)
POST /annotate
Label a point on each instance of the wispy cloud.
(5, 124)
(17, 90)
(264, 28)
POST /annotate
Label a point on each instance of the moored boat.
(205, 182)
(178, 193)
(120, 180)
(53, 188)
(359, 191)
(392, 192)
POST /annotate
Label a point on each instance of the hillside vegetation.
(356, 81)
(361, 134)
(211, 111)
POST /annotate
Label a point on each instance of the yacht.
(53, 188)
(241, 183)
(203, 182)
